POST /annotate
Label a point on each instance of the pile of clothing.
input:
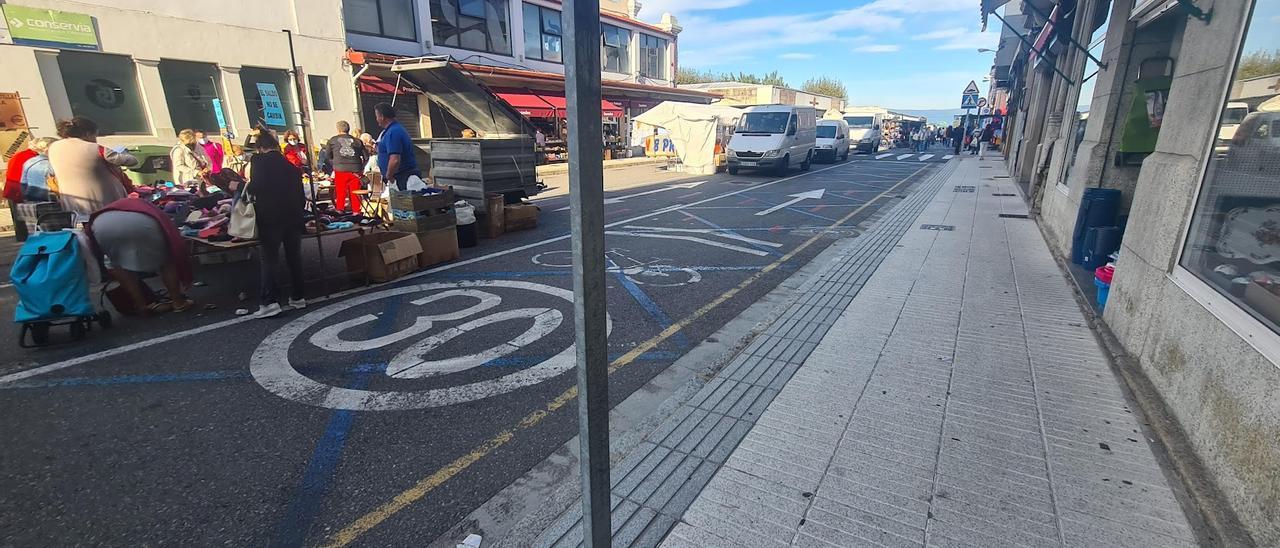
(329, 218)
(207, 218)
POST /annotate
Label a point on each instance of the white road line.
(926, 157)
(949, 156)
(905, 156)
(717, 232)
(712, 243)
(56, 366)
(883, 156)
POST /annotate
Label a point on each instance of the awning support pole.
(1070, 40)
(586, 210)
(1032, 46)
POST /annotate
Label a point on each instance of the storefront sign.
(12, 141)
(272, 108)
(217, 111)
(50, 28)
(11, 113)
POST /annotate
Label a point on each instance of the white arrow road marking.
(905, 156)
(713, 243)
(926, 157)
(719, 233)
(795, 198)
(645, 193)
(883, 156)
(949, 156)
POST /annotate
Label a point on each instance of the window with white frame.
(478, 25)
(653, 57)
(543, 35)
(1233, 243)
(386, 18)
(615, 49)
(104, 88)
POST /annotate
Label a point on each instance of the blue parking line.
(128, 379)
(655, 311)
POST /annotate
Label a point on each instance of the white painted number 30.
(270, 364)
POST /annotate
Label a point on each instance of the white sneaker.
(298, 304)
(268, 311)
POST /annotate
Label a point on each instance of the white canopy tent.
(693, 129)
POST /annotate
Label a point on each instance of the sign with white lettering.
(272, 108)
(50, 28)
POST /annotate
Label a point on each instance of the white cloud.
(940, 34)
(651, 10)
(796, 55)
(970, 40)
(919, 6)
(878, 48)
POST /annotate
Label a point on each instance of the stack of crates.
(431, 218)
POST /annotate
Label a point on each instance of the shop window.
(1088, 81)
(615, 49)
(189, 91)
(105, 89)
(319, 87)
(1234, 240)
(388, 18)
(542, 34)
(653, 57)
(276, 79)
(479, 25)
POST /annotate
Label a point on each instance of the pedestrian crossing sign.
(969, 101)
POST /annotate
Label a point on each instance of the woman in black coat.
(275, 185)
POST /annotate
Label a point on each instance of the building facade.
(1171, 106)
(739, 94)
(145, 70)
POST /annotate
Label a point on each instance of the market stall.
(699, 133)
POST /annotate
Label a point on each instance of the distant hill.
(935, 116)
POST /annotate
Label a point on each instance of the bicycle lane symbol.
(655, 272)
(272, 369)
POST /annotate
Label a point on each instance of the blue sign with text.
(217, 111)
(272, 108)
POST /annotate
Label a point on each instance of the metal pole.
(300, 91)
(1032, 47)
(586, 206)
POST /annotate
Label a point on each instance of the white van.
(832, 143)
(1231, 118)
(864, 129)
(773, 137)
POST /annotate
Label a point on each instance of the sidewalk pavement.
(937, 385)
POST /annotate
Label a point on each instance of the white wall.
(233, 34)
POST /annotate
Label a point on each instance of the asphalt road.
(384, 415)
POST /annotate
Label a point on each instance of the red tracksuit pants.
(344, 183)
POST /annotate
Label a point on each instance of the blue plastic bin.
(1104, 289)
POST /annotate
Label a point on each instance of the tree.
(1259, 63)
(695, 76)
(825, 85)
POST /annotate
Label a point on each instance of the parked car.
(832, 143)
(774, 137)
(864, 129)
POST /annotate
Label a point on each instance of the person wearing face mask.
(294, 151)
(190, 164)
(213, 150)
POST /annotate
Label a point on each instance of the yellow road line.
(368, 521)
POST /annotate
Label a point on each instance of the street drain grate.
(1003, 194)
(999, 176)
(1014, 216)
(742, 182)
(965, 188)
(939, 228)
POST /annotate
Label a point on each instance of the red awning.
(539, 105)
(376, 84)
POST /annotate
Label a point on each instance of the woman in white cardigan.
(89, 175)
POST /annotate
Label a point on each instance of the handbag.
(244, 218)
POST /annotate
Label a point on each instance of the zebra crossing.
(899, 156)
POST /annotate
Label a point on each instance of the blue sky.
(916, 54)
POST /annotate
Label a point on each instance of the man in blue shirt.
(395, 150)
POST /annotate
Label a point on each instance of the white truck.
(864, 128)
(773, 137)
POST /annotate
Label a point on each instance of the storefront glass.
(104, 88)
(250, 77)
(615, 49)
(388, 18)
(189, 91)
(542, 34)
(1088, 80)
(653, 57)
(1234, 239)
(479, 25)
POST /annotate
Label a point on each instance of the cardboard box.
(409, 221)
(438, 246)
(520, 217)
(412, 201)
(491, 220)
(382, 256)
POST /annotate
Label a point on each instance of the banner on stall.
(659, 146)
